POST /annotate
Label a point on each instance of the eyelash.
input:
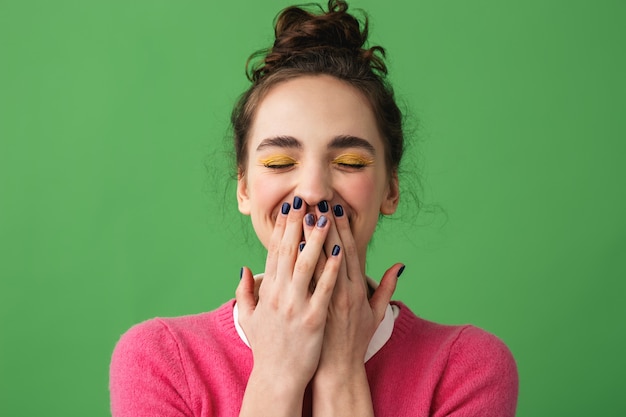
(345, 161)
(352, 161)
(278, 162)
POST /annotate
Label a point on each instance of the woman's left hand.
(351, 322)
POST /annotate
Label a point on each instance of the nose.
(315, 184)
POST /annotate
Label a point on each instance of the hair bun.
(300, 32)
(297, 29)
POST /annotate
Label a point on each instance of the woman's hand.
(340, 384)
(353, 316)
(286, 326)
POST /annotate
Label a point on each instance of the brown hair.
(333, 43)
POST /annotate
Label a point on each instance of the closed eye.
(354, 161)
(278, 162)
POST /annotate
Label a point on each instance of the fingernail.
(241, 273)
(301, 246)
(338, 210)
(400, 271)
(297, 203)
(336, 250)
(321, 222)
(323, 206)
(309, 219)
(285, 208)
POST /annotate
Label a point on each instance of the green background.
(117, 205)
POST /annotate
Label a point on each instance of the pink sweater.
(199, 366)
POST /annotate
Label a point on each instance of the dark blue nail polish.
(321, 222)
(241, 273)
(297, 203)
(400, 271)
(336, 250)
(338, 210)
(309, 219)
(301, 247)
(323, 206)
(285, 208)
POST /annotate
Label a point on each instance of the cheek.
(361, 195)
(266, 191)
(267, 195)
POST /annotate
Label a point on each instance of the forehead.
(314, 109)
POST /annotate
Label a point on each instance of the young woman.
(318, 139)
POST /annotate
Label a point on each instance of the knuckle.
(302, 266)
(343, 302)
(331, 266)
(272, 301)
(288, 310)
(324, 287)
(273, 247)
(286, 250)
(294, 218)
(350, 250)
(312, 321)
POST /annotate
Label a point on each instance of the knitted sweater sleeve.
(147, 377)
(480, 378)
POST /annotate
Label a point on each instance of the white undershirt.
(381, 336)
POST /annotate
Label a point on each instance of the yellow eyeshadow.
(277, 161)
(353, 159)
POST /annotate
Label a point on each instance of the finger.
(319, 268)
(323, 209)
(273, 248)
(385, 290)
(308, 226)
(288, 249)
(308, 259)
(351, 254)
(327, 281)
(333, 240)
(244, 295)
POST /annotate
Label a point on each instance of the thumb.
(385, 290)
(245, 292)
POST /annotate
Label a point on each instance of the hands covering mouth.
(313, 315)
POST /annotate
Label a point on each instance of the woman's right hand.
(285, 326)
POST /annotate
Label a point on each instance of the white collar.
(381, 336)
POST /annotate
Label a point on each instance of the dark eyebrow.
(280, 142)
(347, 141)
(339, 142)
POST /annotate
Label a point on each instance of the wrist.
(280, 384)
(336, 378)
(275, 394)
(342, 394)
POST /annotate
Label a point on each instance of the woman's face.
(316, 137)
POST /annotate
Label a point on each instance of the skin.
(314, 138)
